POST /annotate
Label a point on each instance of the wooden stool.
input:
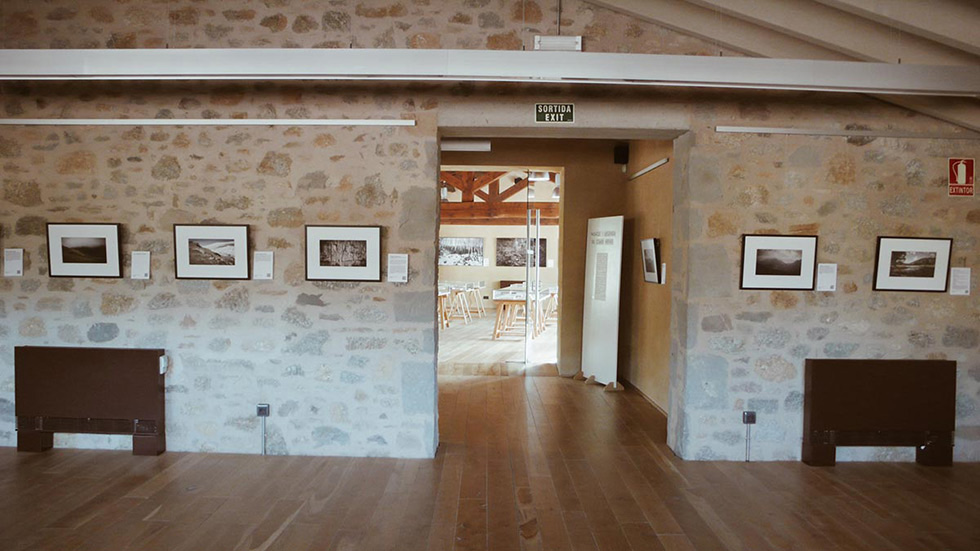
(460, 305)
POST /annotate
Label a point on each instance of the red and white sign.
(961, 176)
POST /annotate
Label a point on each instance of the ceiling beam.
(840, 31)
(753, 39)
(950, 22)
(498, 213)
(963, 112)
(487, 66)
(729, 32)
(512, 190)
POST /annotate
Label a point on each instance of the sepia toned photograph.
(650, 251)
(779, 262)
(211, 251)
(461, 251)
(343, 252)
(912, 264)
(84, 250)
(512, 252)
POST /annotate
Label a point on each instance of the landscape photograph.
(912, 264)
(211, 252)
(84, 250)
(461, 251)
(779, 262)
(512, 252)
(649, 261)
(343, 253)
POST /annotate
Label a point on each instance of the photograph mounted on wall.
(779, 262)
(461, 251)
(343, 253)
(512, 252)
(650, 251)
(84, 250)
(912, 264)
(211, 251)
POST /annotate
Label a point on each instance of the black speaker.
(621, 153)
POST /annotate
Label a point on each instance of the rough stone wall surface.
(349, 368)
(744, 350)
(425, 24)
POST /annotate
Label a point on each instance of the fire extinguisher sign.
(961, 176)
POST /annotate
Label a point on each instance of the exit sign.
(554, 112)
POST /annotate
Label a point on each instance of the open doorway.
(499, 269)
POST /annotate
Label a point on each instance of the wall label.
(554, 112)
(961, 177)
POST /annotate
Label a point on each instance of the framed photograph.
(461, 251)
(84, 250)
(650, 252)
(912, 264)
(779, 262)
(211, 251)
(343, 253)
(512, 252)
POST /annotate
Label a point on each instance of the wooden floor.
(526, 463)
(469, 349)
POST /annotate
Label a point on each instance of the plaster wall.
(645, 310)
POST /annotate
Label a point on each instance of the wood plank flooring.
(463, 348)
(526, 463)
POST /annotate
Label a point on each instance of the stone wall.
(349, 368)
(469, 24)
(744, 350)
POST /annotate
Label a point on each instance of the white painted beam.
(492, 66)
(841, 31)
(726, 31)
(207, 122)
(955, 23)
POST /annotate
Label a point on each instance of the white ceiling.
(922, 32)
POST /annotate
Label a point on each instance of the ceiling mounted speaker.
(621, 153)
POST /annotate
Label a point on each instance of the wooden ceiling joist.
(497, 214)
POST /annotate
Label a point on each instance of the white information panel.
(600, 323)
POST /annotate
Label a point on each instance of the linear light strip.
(650, 168)
(848, 133)
(207, 122)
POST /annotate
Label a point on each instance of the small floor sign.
(961, 177)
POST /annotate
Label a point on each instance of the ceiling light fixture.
(539, 176)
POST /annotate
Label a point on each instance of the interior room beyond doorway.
(498, 291)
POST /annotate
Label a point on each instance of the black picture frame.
(893, 280)
(186, 268)
(107, 259)
(317, 233)
(752, 280)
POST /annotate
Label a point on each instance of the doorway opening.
(498, 269)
